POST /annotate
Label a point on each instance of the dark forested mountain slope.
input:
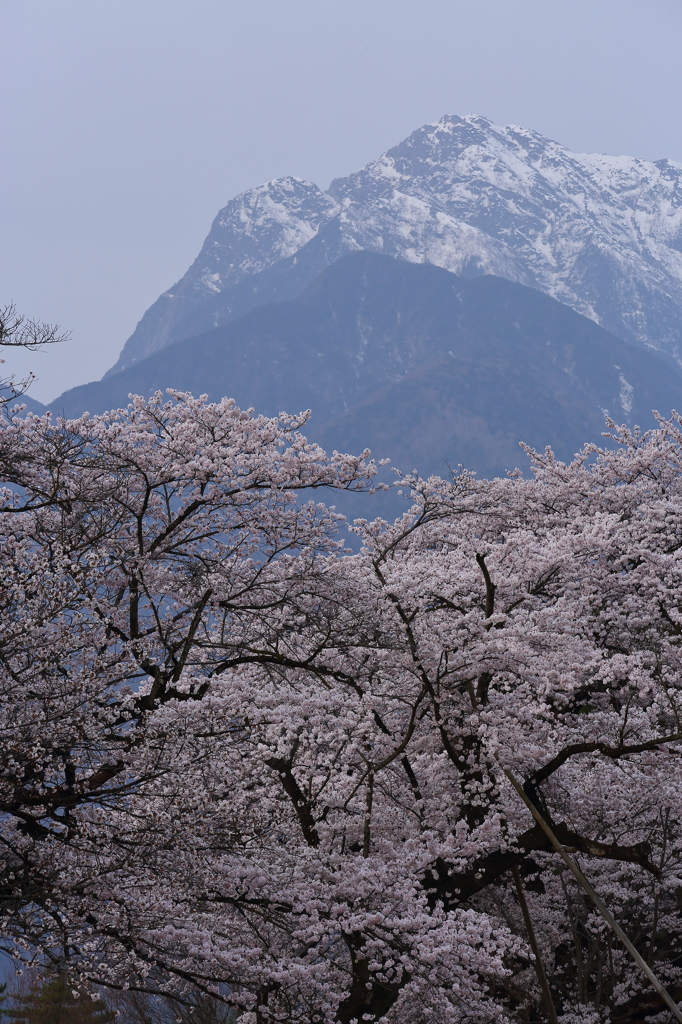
(602, 234)
(423, 367)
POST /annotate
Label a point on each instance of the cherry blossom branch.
(622, 750)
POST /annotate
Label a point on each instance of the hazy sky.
(127, 124)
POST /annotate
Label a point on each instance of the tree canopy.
(240, 760)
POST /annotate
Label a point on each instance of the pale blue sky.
(126, 124)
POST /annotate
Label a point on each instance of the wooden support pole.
(539, 968)
(601, 907)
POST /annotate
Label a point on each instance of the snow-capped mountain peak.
(602, 234)
(259, 227)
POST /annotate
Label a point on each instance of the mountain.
(424, 367)
(254, 231)
(601, 234)
(31, 404)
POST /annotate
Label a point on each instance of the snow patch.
(627, 394)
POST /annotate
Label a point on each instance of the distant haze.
(127, 125)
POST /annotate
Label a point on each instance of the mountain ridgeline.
(473, 287)
(424, 367)
(601, 234)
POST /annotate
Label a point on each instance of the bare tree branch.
(18, 331)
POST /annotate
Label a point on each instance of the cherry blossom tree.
(242, 761)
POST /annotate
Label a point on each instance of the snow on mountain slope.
(255, 230)
(601, 234)
(262, 225)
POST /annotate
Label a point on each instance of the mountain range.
(473, 287)
(601, 234)
(424, 367)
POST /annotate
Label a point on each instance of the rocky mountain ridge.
(601, 234)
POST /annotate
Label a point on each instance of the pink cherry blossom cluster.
(238, 758)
